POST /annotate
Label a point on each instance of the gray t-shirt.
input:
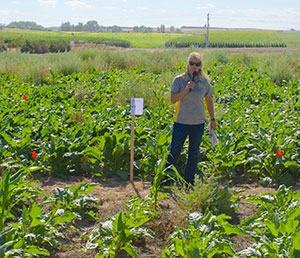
(190, 109)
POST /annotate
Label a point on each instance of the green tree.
(79, 27)
(92, 26)
(25, 25)
(66, 26)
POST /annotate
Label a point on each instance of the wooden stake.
(132, 148)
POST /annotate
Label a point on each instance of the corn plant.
(15, 189)
(226, 39)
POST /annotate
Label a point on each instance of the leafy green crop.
(27, 226)
(75, 200)
(15, 189)
(205, 236)
(275, 227)
(117, 233)
(33, 229)
(80, 123)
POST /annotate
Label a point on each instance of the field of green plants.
(232, 38)
(291, 38)
(217, 38)
(123, 39)
(78, 123)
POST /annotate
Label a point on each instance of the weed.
(205, 194)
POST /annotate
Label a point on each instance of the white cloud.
(142, 8)
(7, 16)
(109, 7)
(162, 11)
(78, 4)
(47, 2)
(255, 18)
(205, 7)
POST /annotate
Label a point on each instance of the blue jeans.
(179, 135)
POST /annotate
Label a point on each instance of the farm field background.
(144, 40)
(72, 121)
(158, 40)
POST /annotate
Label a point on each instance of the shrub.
(2, 48)
(26, 47)
(42, 47)
(59, 46)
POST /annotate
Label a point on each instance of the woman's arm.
(210, 108)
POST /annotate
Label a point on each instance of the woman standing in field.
(188, 91)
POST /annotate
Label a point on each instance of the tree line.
(91, 26)
(29, 25)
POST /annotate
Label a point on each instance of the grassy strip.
(36, 67)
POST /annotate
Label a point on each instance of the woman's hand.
(213, 125)
(189, 86)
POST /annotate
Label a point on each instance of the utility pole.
(207, 31)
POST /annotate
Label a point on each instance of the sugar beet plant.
(76, 125)
(258, 126)
(274, 229)
(206, 235)
(80, 123)
(117, 233)
(74, 199)
(275, 226)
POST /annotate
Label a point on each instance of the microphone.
(193, 78)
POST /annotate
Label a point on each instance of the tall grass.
(217, 56)
(282, 67)
(36, 67)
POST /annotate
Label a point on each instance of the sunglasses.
(192, 63)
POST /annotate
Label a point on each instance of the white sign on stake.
(137, 105)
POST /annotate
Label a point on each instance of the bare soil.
(112, 194)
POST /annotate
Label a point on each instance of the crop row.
(230, 39)
(81, 123)
(17, 38)
(233, 38)
(32, 223)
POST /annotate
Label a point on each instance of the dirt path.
(250, 50)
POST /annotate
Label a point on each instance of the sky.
(260, 14)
